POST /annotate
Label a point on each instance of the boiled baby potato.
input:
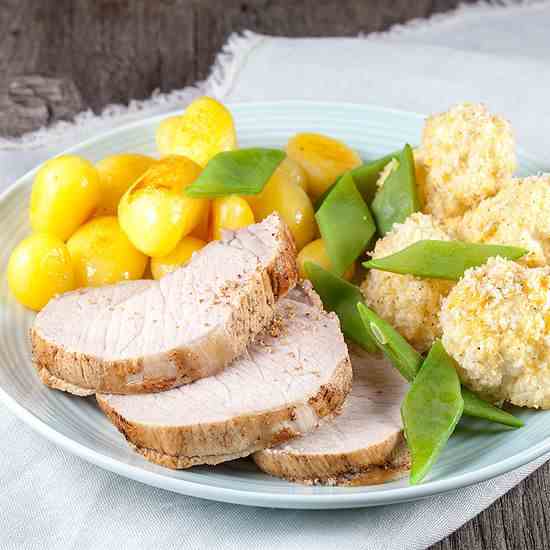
(102, 254)
(290, 170)
(231, 212)
(178, 257)
(39, 268)
(205, 129)
(202, 229)
(116, 175)
(316, 252)
(65, 192)
(323, 158)
(155, 213)
(282, 194)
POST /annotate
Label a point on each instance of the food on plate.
(363, 445)
(453, 289)
(102, 254)
(239, 172)
(285, 193)
(117, 173)
(205, 129)
(152, 335)
(408, 303)
(409, 362)
(316, 252)
(323, 158)
(467, 154)
(296, 372)
(65, 193)
(517, 215)
(397, 196)
(179, 256)
(434, 259)
(431, 410)
(155, 213)
(346, 224)
(39, 268)
(495, 325)
(231, 212)
(341, 297)
(289, 170)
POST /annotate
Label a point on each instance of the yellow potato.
(316, 252)
(291, 171)
(323, 158)
(230, 212)
(39, 268)
(178, 257)
(205, 129)
(102, 254)
(166, 133)
(155, 213)
(116, 174)
(282, 195)
(65, 192)
(202, 230)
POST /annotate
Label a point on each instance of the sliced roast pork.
(363, 445)
(296, 372)
(145, 336)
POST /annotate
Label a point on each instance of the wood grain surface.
(60, 56)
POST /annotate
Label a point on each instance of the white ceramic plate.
(477, 451)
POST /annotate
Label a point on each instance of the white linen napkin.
(500, 55)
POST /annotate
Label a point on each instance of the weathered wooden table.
(60, 56)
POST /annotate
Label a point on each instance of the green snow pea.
(431, 410)
(477, 407)
(442, 259)
(398, 198)
(346, 224)
(241, 172)
(341, 297)
(402, 355)
(365, 178)
(408, 361)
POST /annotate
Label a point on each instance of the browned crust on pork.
(182, 447)
(82, 374)
(370, 466)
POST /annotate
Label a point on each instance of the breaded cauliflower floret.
(409, 303)
(519, 215)
(467, 153)
(496, 325)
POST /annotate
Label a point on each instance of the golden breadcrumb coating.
(496, 325)
(409, 303)
(467, 152)
(519, 215)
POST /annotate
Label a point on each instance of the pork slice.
(296, 372)
(145, 336)
(363, 445)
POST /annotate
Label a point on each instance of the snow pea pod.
(431, 410)
(402, 355)
(346, 224)
(341, 297)
(442, 259)
(240, 172)
(477, 407)
(365, 178)
(408, 362)
(398, 198)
